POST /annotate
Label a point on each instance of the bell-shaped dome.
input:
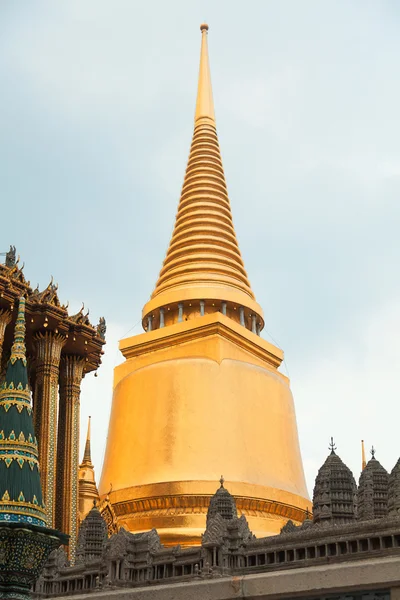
(394, 491)
(222, 503)
(372, 496)
(335, 492)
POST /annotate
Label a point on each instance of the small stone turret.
(222, 503)
(394, 491)
(226, 533)
(92, 536)
(372, 496)
(335, 492)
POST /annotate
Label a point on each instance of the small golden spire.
(204, 102)
(87, 457)
(364, 462)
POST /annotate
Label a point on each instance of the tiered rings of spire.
(203, 271)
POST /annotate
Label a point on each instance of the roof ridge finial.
(373, 452)
(204, 103)
(363, 460)
(332, 446)
(222, 481)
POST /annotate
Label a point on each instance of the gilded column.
(5, 319)
(71, 373)
(48, 354)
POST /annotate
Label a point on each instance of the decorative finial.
(222, 480)
(204, 102)
(10, 257)
(373, 452)
(332, 446)
(102, 328)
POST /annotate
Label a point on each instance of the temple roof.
(45, 312)
(203, 260)
(20, 488)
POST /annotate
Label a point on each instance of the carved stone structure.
(394, 491)
(335, 492)
(228, 550)
(61, 349)
(222, 503)
(92, 536)
(372, 495)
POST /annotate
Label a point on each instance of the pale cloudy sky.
(97, 102)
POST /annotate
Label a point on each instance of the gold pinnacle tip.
(204, 27)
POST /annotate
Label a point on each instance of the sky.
(97, 103)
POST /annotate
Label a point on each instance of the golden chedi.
(88, 494)
(199, 393)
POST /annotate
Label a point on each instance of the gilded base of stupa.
(178, 510)
(201, 398)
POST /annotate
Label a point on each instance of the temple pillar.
(48, 353)
(71, 373)
(5, 319)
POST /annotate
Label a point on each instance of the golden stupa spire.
(363, 461)
(203, 261)
(201, 362)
